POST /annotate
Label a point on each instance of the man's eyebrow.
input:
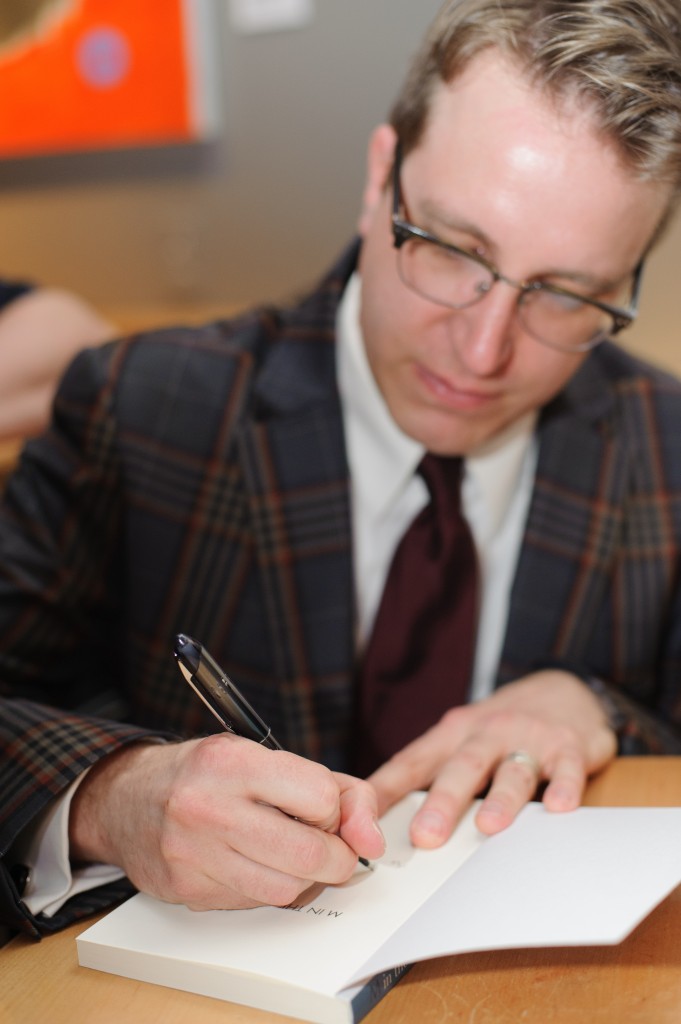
(437, 216)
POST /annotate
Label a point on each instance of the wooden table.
(637, 982)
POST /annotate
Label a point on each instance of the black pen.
(223, 698)
(219, 694)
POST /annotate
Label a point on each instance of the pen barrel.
(231, 705)
(219, 693)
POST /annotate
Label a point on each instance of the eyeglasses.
(453, 277)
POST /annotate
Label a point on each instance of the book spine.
(375, 989)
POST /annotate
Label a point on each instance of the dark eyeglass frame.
(403, 230)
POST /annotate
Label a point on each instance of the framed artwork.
(79, 75)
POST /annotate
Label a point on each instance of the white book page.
(583, 878)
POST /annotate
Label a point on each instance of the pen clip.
(210, 704)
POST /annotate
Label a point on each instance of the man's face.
(536, 191)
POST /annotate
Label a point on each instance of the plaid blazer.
(195, 479)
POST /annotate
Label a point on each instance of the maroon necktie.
(418, 660)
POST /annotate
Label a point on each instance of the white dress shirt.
(386, 495)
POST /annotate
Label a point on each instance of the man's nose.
(487, 330)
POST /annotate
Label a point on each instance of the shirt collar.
(382, 458)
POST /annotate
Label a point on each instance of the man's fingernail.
(563, 796)
(430, 823)
(378, 828)
(493, 809)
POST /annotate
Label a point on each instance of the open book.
(584, 878)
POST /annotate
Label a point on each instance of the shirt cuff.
(44, 848)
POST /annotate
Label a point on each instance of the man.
(248, 484)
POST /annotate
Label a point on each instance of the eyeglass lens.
(454, 279)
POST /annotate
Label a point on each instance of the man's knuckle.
(311, 853)
(503, 798)
(207, 753)
(282, 892)
(186, 888)
(568, 740)
(505, 720)
(364, 790)
(473, 760)
(447, 803)
(452, 717)
(328, 793)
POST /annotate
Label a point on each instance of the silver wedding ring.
(522, 757)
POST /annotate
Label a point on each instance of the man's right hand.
(222, 823)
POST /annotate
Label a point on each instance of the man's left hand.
(551, 715)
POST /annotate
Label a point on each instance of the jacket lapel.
(296, 476)
(572, 530)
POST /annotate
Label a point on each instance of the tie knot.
(442, 475)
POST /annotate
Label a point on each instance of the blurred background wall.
(261, 211)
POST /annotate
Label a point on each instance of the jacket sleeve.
(639, 729)
(61, 699)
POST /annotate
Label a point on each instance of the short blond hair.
(621, 57)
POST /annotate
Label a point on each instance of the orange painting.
(93, 74)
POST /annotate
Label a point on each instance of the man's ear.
(380, 156)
